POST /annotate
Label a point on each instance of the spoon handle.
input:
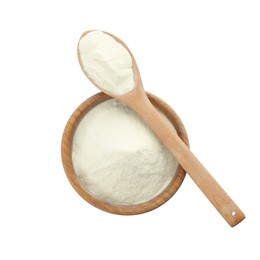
(208, 185)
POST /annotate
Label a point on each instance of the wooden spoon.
(138, 101)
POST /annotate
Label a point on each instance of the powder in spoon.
(117, 158)
(107, 62)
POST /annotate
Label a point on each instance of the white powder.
(117, 157)
(107, 62)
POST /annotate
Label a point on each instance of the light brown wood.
(208, 185)
(66, 152)
(138, 100)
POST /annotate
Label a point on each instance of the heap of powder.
(107, 62)
(117, 158)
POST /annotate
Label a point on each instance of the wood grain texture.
(137, 100)
(66, 152)
(207, 184)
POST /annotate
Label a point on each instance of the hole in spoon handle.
(219, 198)
(207, 184)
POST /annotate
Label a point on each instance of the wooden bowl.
(66, 152)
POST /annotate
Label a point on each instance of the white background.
(201, 57)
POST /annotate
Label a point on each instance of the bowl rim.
(66, 155)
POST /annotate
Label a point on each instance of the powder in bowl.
(117, 158)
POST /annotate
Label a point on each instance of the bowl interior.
(66, 151)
